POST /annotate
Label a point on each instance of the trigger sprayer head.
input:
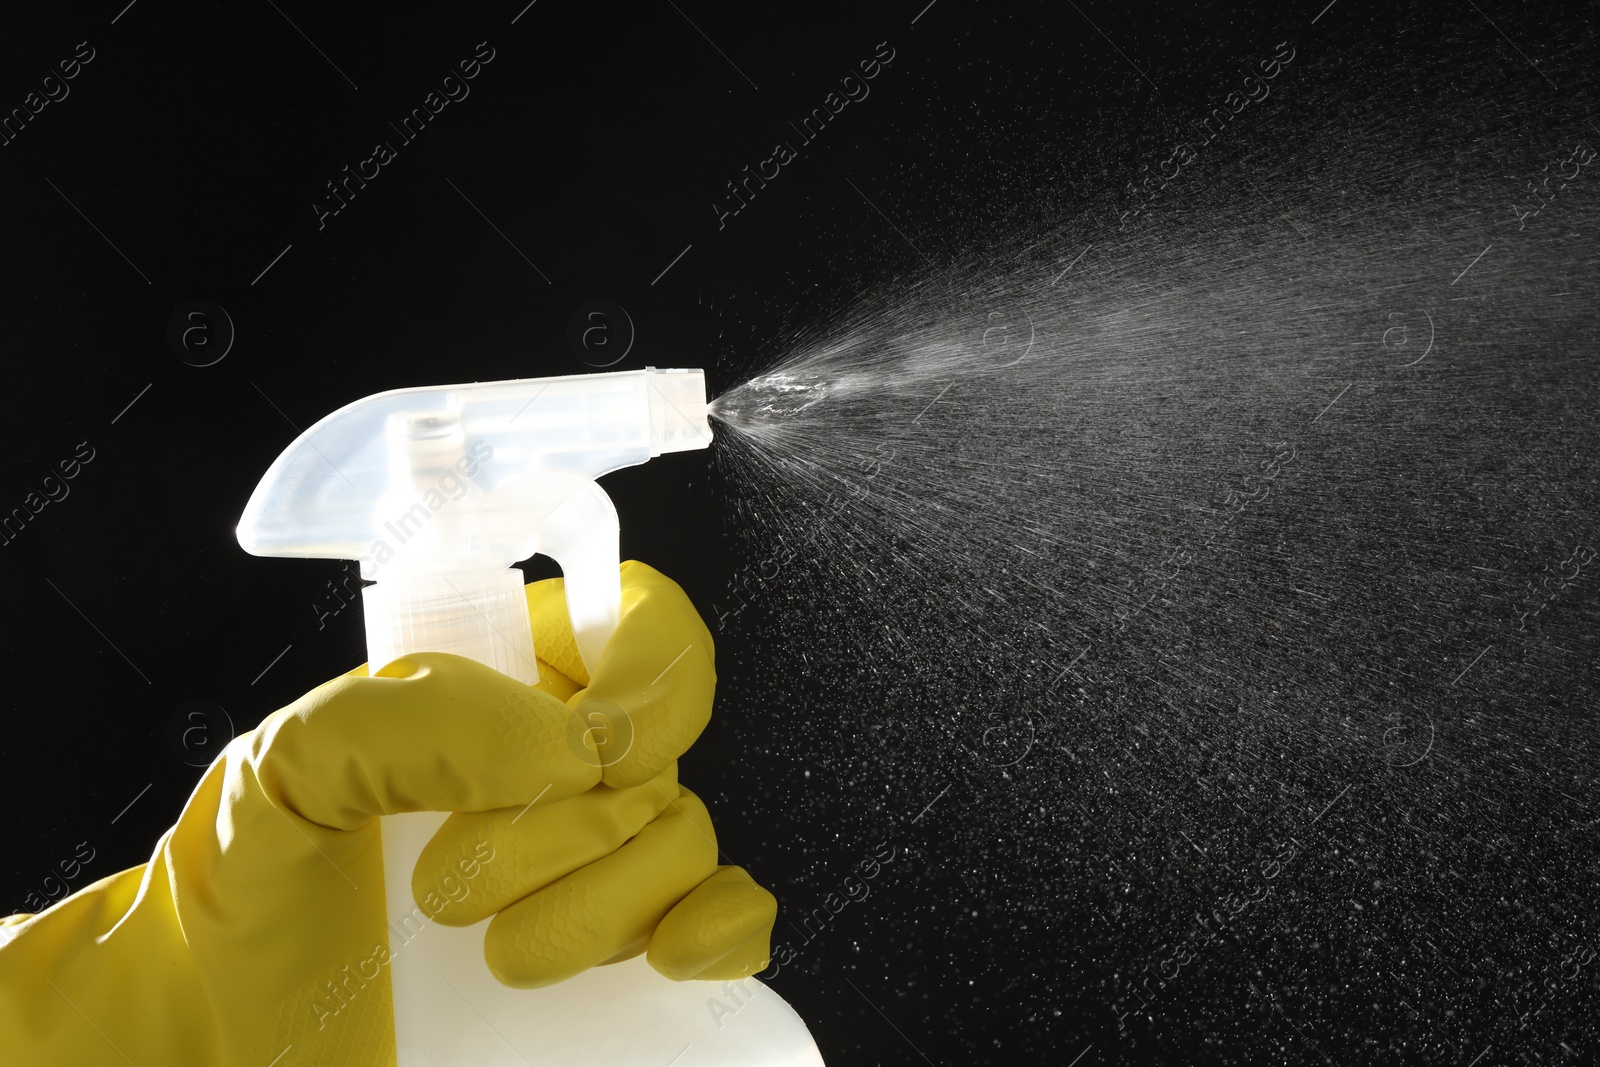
(439, 490)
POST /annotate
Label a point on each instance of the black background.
(184, 165)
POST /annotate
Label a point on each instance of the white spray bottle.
(438, 492)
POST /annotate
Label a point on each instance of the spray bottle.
(438, 491)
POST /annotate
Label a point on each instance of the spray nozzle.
(439, 490)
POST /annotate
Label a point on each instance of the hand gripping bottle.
(438, 492)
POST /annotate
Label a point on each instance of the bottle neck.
(481, 614)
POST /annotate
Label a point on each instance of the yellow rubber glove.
(267, 895)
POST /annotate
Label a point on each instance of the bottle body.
(449, 1009)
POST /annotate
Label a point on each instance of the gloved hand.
(269, 889)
